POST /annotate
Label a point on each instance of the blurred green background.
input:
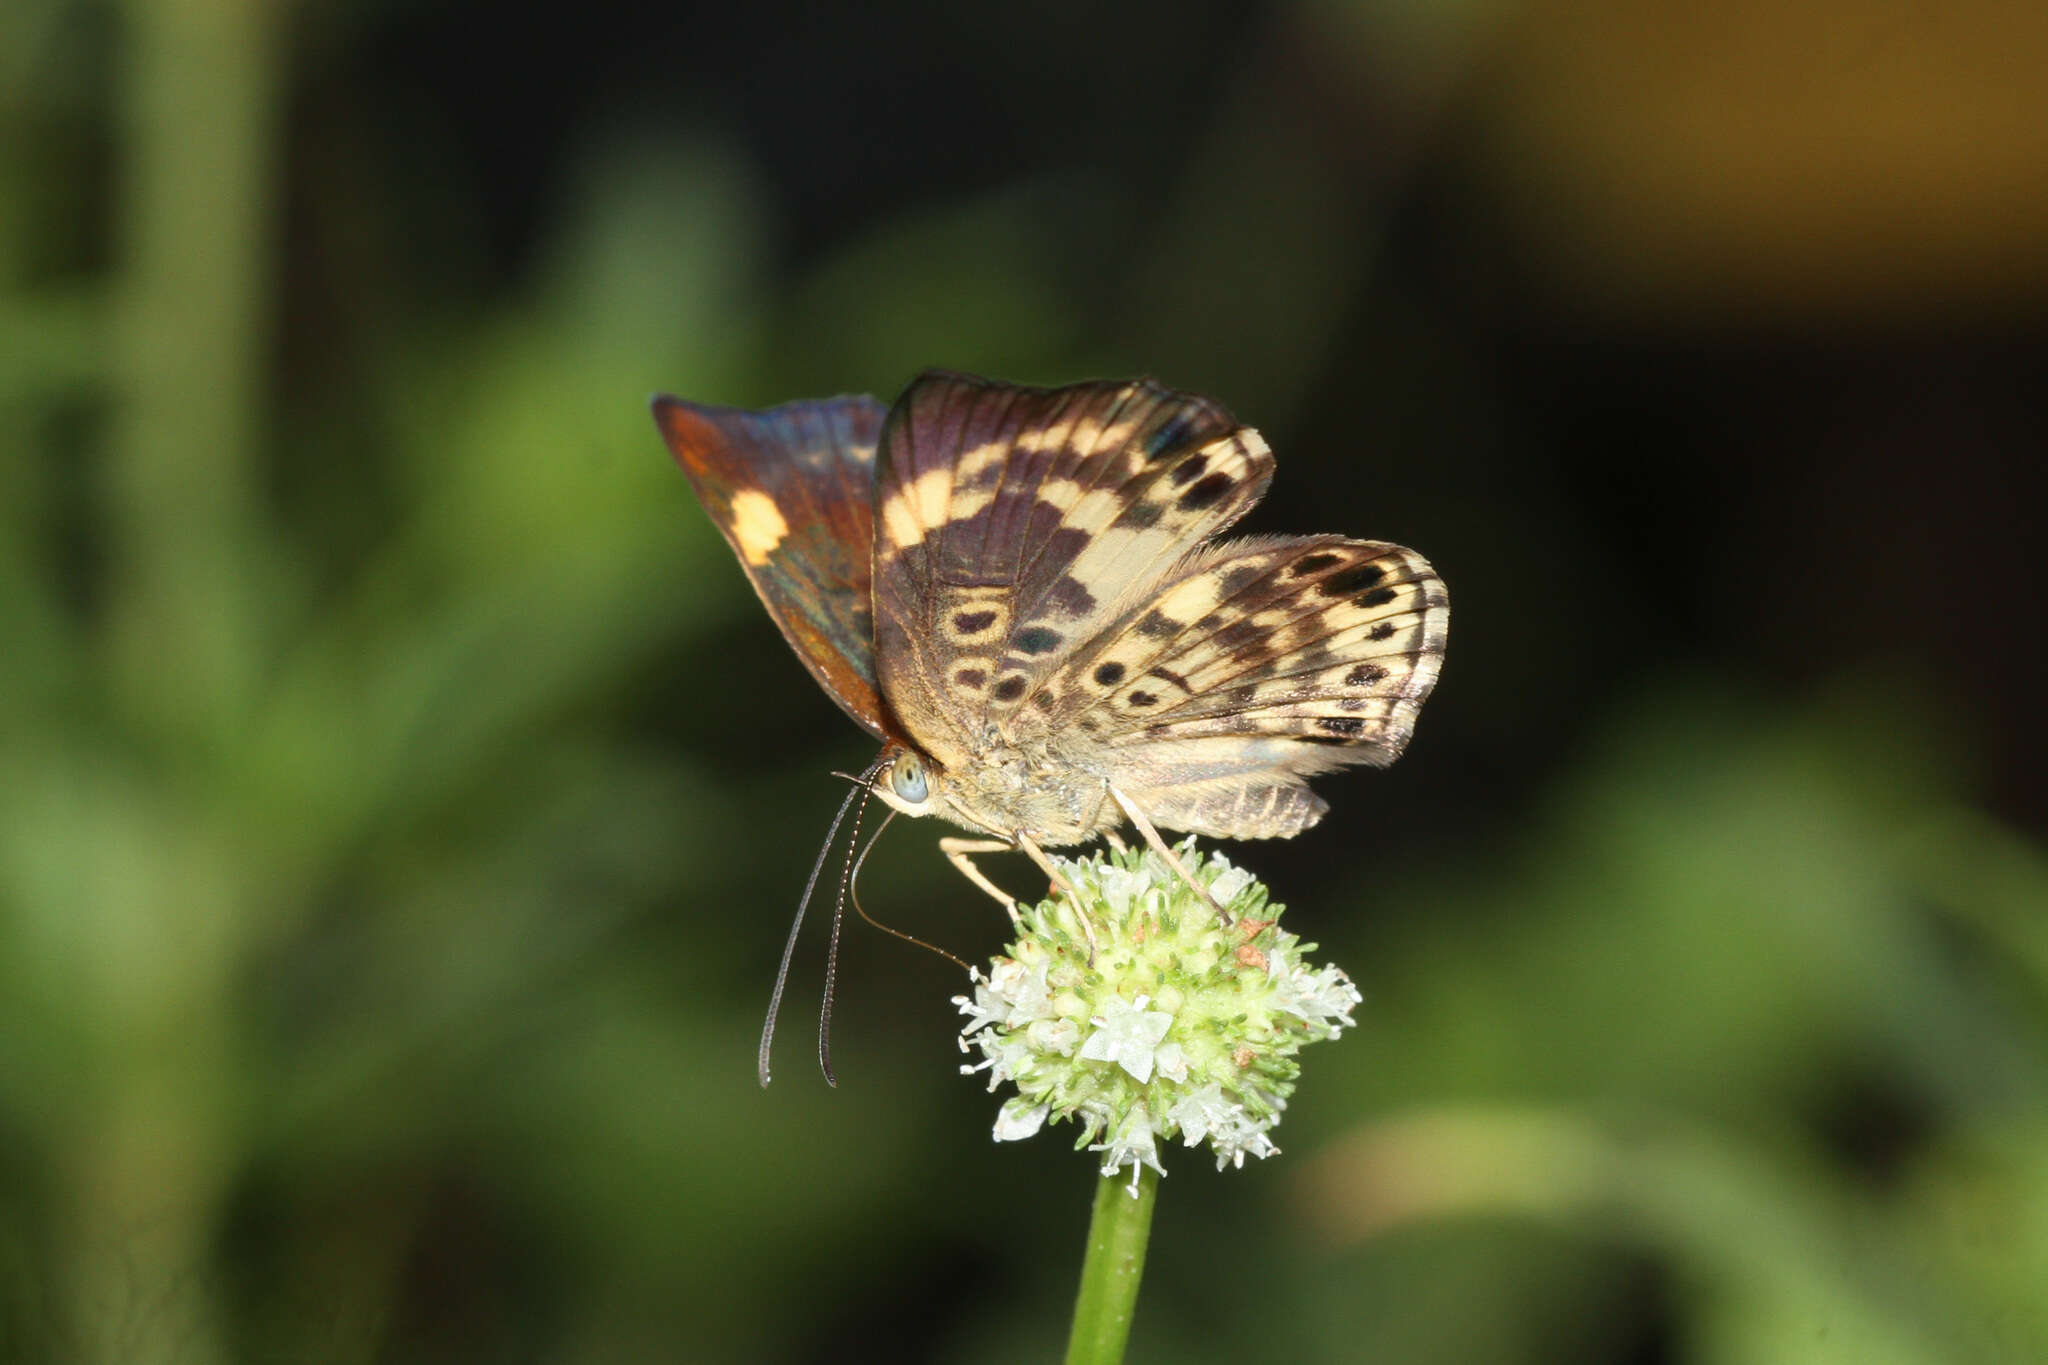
(402, 797)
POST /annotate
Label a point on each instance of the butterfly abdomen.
(1231, 810)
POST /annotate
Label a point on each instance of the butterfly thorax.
(995, 785)
(1037, 788)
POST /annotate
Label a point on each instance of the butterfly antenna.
(789, 947)
(853, 889)
(839, 918)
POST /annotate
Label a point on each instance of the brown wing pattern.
(792, 490)
(1015, 524)
(1329, 641)
(1256, 664)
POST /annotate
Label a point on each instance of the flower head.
(1152, 1019)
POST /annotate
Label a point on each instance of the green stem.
(1117, 1233)
(144, 1164)
(199, 106)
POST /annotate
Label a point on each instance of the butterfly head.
(907, 781)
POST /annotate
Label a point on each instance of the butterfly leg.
(1060, 884)
(1159, 846)
(957, 853)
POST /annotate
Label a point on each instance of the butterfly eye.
(907, 779)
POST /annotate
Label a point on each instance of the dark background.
(402, 797)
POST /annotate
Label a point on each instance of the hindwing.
(1255, 664)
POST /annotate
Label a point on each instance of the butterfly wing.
(792, 490)
(1015, 524)
(1254, 665)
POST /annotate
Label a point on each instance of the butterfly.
(1022, 594)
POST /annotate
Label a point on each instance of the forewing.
(792, 489)
(1015, 524)
(1256, 664)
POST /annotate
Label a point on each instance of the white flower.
(1023, 987)
(1230, 883)
(1055, 1036)
(1019, 1119)
(1120, 885)
(1132, 1144)
(1011, 993)
(1229, 1129)
(1200, 1112)
(1006, 1057)
(1248, 1137)
(1079, 1012)
(1319, 997)
(983, 1008)
(1127, 1034)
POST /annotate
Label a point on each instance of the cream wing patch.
(757, 526)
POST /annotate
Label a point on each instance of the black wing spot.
(1206, 493)
(988, 476)
(1037, 640)
(1237, 579)
(1188, 470)
(1315, 563)
(1381, 631)
(1143, 699)
(970, 678)
(1142, 515)
(1341, 725)
(1070, 597)
(973, 622)
(1063, 544)
(1174, 433)
(1157, 625)
(1109, 675)
(1365, 675)
(1378, 597)
(1237, 636)
(1010, 688)
(1353, 579)
(1177, 679)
